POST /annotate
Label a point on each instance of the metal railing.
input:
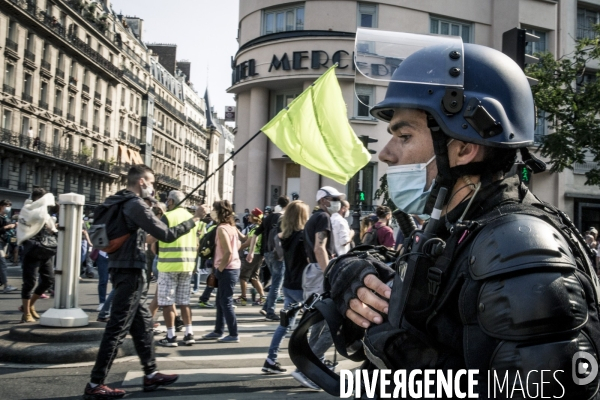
(98, 24)
(29, 55)
(60, 73)
(122, 135)
(58, 111)
(4, 183)
(46, 65)
(8, 89)
(97, 96)
(8, 137)
(95, 129)
(132, 54)
(108, 102)
(165, 104)
(72, 81)
(22, 186)
(167, 180)
(27, 97)
(106, 133)
(134, 140)
(83, 122)
(43, 104)
(10, 44)
(204, 151)
(71, 117)
(85, 88)
(134, 78)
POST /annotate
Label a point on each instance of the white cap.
(329, 191)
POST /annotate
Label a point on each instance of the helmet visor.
(378, 54)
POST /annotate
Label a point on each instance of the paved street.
(208, 369)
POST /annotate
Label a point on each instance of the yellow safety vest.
(180, 255)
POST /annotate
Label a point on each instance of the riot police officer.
(502, 281)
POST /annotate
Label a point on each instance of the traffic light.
(366, 140)
(524, 173)
(514, 43)
(360, 196)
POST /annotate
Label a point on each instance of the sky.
(205, 32)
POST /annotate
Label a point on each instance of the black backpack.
(208, 243)
(109, 231)
(273, 231)
(370, 238)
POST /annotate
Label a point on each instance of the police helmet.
(493, 107)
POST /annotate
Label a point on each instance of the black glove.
(347, 275)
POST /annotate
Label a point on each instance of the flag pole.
(219, 167)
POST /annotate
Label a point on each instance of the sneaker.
(229, 339)
(44, 296)
(100, 307)
(280, 299)
(9, 289)
(274, 318)
(101, 319)
(102, 392)
(260, 302)
(274, 368)
(263, 312)
(168, 342)
(212, 336)
(205, 304)
(157, 380)
(179, 325)
(240, 301)
(304, 381)
(188, 339)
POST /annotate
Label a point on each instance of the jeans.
(102, 263)
(277, 269)
(105, 312)
(225, 312)
(31, 267)
(128, 315)
(290, 296)
(87, 265)
(155, 267)
(208, 290)
(195, 281)
(3, 267)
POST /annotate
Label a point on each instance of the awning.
(124, 155)
(136, 158)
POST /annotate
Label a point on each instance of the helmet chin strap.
(447, 176)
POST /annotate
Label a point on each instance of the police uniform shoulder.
(518, 242)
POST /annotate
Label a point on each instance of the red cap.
(257, 212)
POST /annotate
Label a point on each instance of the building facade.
(82, 99)
(286, 45)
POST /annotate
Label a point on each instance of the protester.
(206, 252)
(250, 272)
(383, 234)
(129, 312)
(319, 247)
(36, 227)
(176, 262)
(227, 270)
(366, 223)
(342, 234)
(5, 228)
(276, 266)
(292, 243)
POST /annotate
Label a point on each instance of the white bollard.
(65, 313)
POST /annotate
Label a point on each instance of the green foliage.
(569, 93)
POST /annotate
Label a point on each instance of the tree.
(569, 94)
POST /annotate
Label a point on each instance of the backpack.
(208, 243)
(272, 239)
(109, 231)
(370, 238)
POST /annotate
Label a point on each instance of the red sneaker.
(159, 379)
(102, 392)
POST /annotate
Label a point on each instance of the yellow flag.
(314, 131)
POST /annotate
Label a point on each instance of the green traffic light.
(525, 175)
(362, 196)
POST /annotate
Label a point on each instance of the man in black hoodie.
(127, 265)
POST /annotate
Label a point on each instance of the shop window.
(364, 99)
(452, 28)
(367, 15)
(283, 20)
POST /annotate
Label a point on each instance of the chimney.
(185, 67)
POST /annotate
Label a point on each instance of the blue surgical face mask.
(406, 186)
